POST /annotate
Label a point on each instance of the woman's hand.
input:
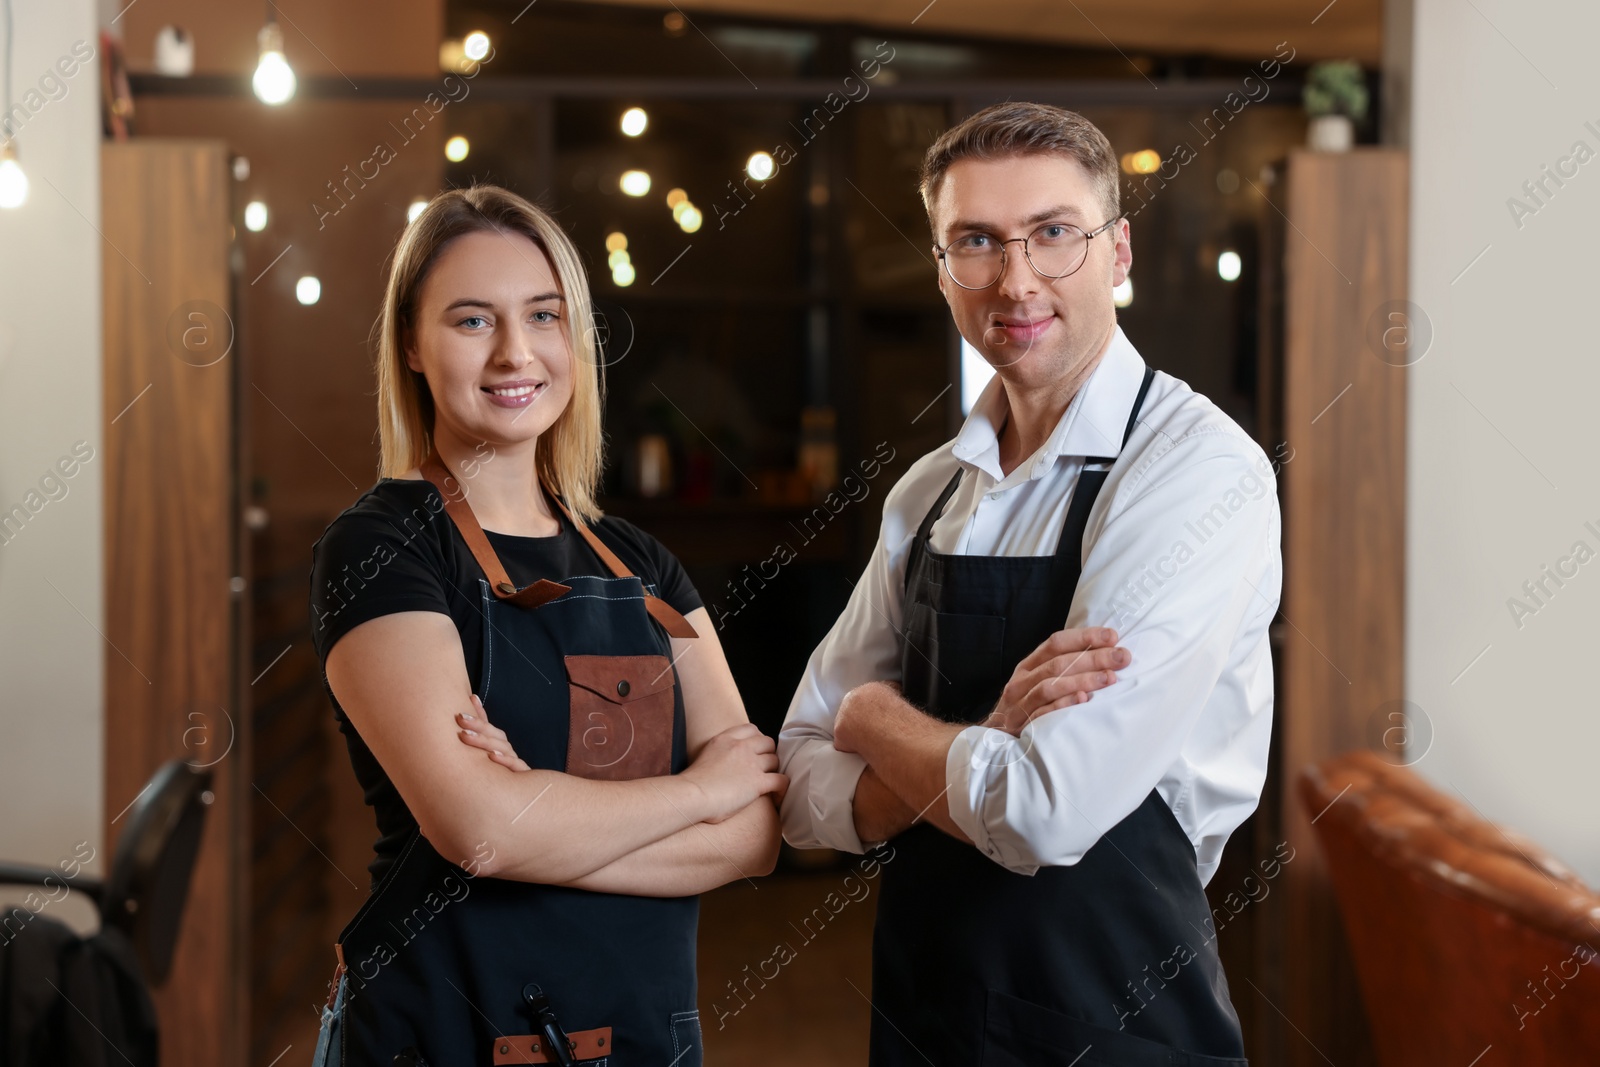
(1064, 670)
(734, 768)
(477, 731)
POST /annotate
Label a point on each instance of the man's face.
(1035, 331)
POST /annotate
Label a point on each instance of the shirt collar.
(1092, 425)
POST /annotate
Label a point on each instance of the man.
(1056, 801)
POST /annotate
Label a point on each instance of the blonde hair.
(570, 455)
(1019, 128)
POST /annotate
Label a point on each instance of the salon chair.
(52, 981)
(1465, 936)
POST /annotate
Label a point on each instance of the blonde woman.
(534, 700)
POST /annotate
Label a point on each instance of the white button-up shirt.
(1180, 556)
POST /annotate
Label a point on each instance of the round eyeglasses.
(1054, 250)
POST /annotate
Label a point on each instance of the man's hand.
(1064, 670)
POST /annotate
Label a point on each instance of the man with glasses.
(1051, 691)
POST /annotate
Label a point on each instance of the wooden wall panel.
(1341, 661)
(310, 432)
(170, 548)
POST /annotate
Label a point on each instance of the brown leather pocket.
(620, 724)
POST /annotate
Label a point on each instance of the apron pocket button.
(622, 688)
(507, 588)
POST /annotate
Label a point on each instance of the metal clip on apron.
(975, 964)
(450, 970)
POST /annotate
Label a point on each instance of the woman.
(475, 601)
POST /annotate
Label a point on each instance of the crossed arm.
(673, 835)
(907, 750)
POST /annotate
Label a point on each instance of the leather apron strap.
(543, 591)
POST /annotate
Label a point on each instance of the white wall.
(1503, 448)
(51, 604)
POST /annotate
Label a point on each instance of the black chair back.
(154, 864)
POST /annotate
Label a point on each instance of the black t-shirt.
(396, 549)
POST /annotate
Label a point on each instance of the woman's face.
(490, 338)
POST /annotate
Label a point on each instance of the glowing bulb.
(618, 257)
(255, 216)
(1122, 295)
(691, 219)
(274, 79)
(635, 182)
(760, 166)
(1144, 161)
(475, 45)
(634, 121)
(1228, 266)
(13, 182)
(417, 207)
(456, 149)
(623, 274)
(616, 241)
(308, 290)
(676, 197)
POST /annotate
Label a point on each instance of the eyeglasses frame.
(1087, 237)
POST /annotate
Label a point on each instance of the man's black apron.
(452, 970)
(973, 964)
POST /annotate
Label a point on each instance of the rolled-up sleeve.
(818, 811)
(1186, 559)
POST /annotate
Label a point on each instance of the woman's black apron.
(975, 964)
(444, 968)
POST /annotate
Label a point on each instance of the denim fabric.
(330, 1048)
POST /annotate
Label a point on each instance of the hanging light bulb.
(475, 45)
(13, 182)
(635, 182)
(274, 80)
(760, 166)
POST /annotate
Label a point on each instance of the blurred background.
(1334, 217)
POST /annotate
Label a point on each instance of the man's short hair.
(1020, 128)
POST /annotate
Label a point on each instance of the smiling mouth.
(1020, 324)
(513, 391)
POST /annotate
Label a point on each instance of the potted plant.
(1335, 99)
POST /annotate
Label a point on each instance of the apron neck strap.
(543, 591)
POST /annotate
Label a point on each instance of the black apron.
(975, 964)
(448, 969)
